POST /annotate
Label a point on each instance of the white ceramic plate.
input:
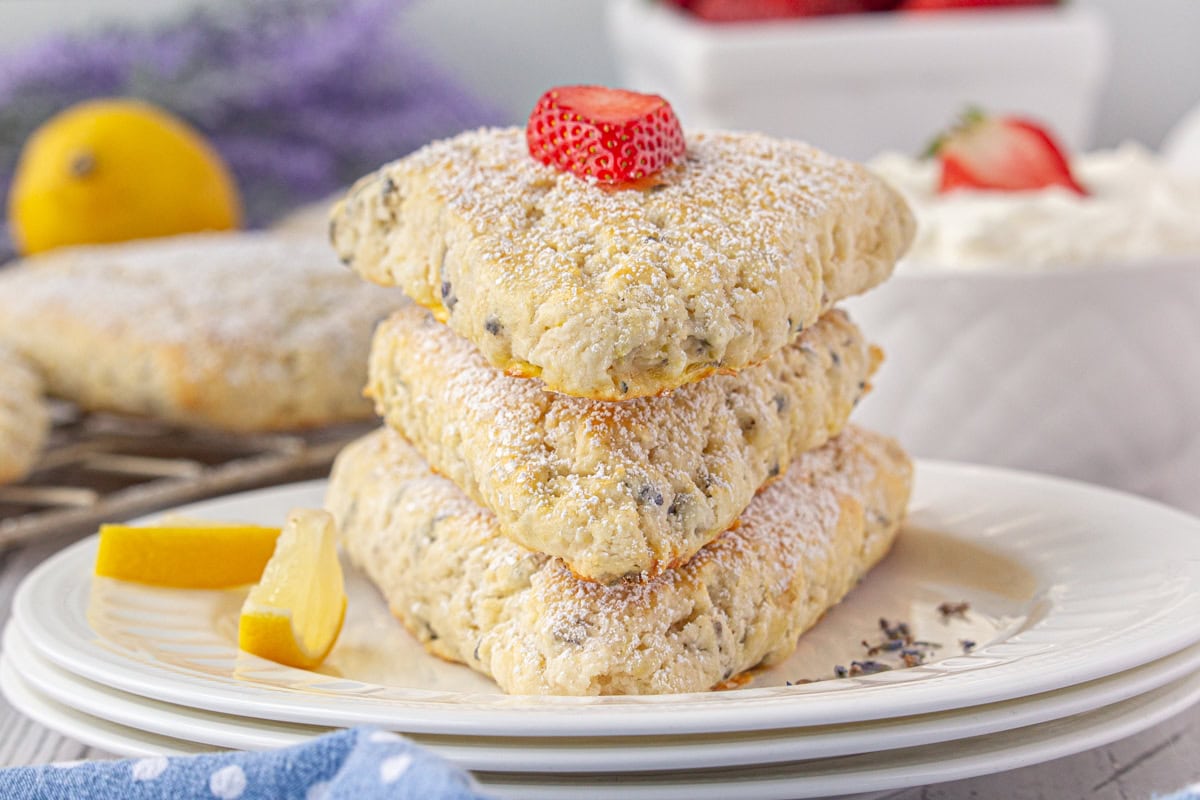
(814, 778)
(609, 753)
(85, 728)
(1067, 583)
(896, 769)
(142, 713)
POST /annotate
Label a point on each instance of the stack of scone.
(615, 458)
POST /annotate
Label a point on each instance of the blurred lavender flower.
(300, 96)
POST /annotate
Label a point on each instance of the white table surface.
(1156, 761)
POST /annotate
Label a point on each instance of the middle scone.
(614, 489)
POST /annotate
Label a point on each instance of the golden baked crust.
(614, 489)
(471, 595)
(24, 418)
(616, 294)
(237, 331)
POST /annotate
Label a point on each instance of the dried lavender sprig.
(867, 668)
(299, 96)
(958, 609)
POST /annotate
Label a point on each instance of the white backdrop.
(510, 50)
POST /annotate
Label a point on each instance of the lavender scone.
(471, 595)
(239, 331)
(714, 266)
(24, 416)
(614, 489)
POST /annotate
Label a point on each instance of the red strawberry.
(955, 5)
(743, 10)
(1007, 153)
(608, 135)
(737, 10)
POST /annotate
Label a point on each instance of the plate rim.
(1081, 734)
(17, 692)
(548, 719)
(731, 749)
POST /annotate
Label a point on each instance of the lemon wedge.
(185, 553)
(294, 614)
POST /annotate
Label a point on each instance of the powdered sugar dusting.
(235, 288)
(743, 193)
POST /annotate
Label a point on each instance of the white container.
(1090, 373)
(860, 84)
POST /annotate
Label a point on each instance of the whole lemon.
(116, 169)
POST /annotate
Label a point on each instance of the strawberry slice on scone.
(611, 136)
(1006, 153)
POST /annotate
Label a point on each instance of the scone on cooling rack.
(242, 332)
(713, 265)
(24, 417)
(471, 595)
(614, 489)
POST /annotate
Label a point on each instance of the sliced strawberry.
(1006, 153)
(956, 5)
(611, 136)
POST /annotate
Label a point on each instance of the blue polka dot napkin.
(355, 764)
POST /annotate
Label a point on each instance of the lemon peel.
(185, 553)
(294, 614)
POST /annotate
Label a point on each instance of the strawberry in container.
(858, 77)
(745, 10)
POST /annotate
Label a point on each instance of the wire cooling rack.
(106, 468)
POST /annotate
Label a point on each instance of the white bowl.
(859, 84)
(1090, 373)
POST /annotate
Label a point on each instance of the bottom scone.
(471, 595)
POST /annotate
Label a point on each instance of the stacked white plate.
(1081, 626)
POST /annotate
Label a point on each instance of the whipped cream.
(1137, 209)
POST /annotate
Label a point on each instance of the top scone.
(611, 294)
